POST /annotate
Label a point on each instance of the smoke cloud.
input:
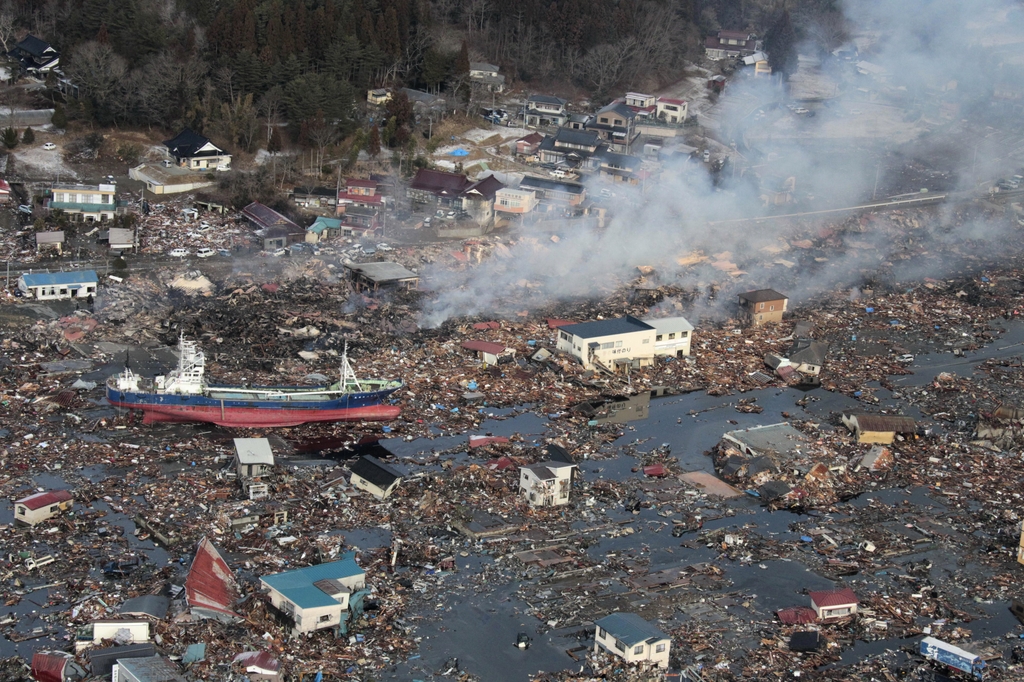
(915, 105)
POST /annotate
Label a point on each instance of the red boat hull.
(241, 417)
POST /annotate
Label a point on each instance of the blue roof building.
(633, 639)
(314, 597)
(58, 285)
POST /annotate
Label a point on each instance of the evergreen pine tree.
(28, 137)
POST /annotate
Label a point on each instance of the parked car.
(178, 253)
(905, 359)
(49, 146)
(384, 247)
(558, 173)
(279, 252)
(224, 252)
(206, 252)
(368, 250)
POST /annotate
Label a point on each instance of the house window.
(620, 646)
(683, 335)
(672, 336)
(606, 346)
(64, 292)
(771, 307)
(762, 306)
(604, 119)
(658, 337)
(54, 508)
(21, 511)
(618, 344)
(638, 649)
(325, 619)
(660, 649)
(601, 632)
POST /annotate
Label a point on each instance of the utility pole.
(878, 169)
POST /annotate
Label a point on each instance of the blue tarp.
(459, 152)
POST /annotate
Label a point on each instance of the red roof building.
(832, 604)
(797, 615)
(40, 500)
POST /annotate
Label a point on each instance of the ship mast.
(348, 375)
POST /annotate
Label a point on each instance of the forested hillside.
(228, 67)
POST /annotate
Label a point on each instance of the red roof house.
(210, 587)
(832, 604)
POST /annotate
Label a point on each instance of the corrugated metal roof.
(151, 669)
(210, 583)
(40, 500)
(630, 628)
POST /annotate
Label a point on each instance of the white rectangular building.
(313, 598)
(672, 336)
(253, 457)
(53, 286)
(42, 506)
(632, 639)
(546, 484)
(612, 344)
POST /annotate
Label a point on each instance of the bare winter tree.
(475, 14)
(828, 30)
(658, 32)
(270, 105)
(604, 64)
(98, 71)
(322, 134)
(7, 26)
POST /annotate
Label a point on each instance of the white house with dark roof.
(374, 476)
(611, 344)
(546, 484)
(195, 152)
(315, 597)
(253, 457)
(487, 75)
(632, 639)
(545, 110)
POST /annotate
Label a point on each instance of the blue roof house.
(315, 597)
(632, 639)
(52, 286)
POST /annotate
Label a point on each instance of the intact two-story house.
(574, 148)
(486, 75)
(632, 639)
(315, 597)
(616, 125)
(84, 202)
(546, 484)
(731, 44)
(545, 110)
(514, 201)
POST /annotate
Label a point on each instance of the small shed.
(53, 241)
(253, 457)
(878, 428)
(42, 506)
(121, 239)
(834, 604)
(374, 476)
(491, 353)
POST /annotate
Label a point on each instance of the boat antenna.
(127, 357)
